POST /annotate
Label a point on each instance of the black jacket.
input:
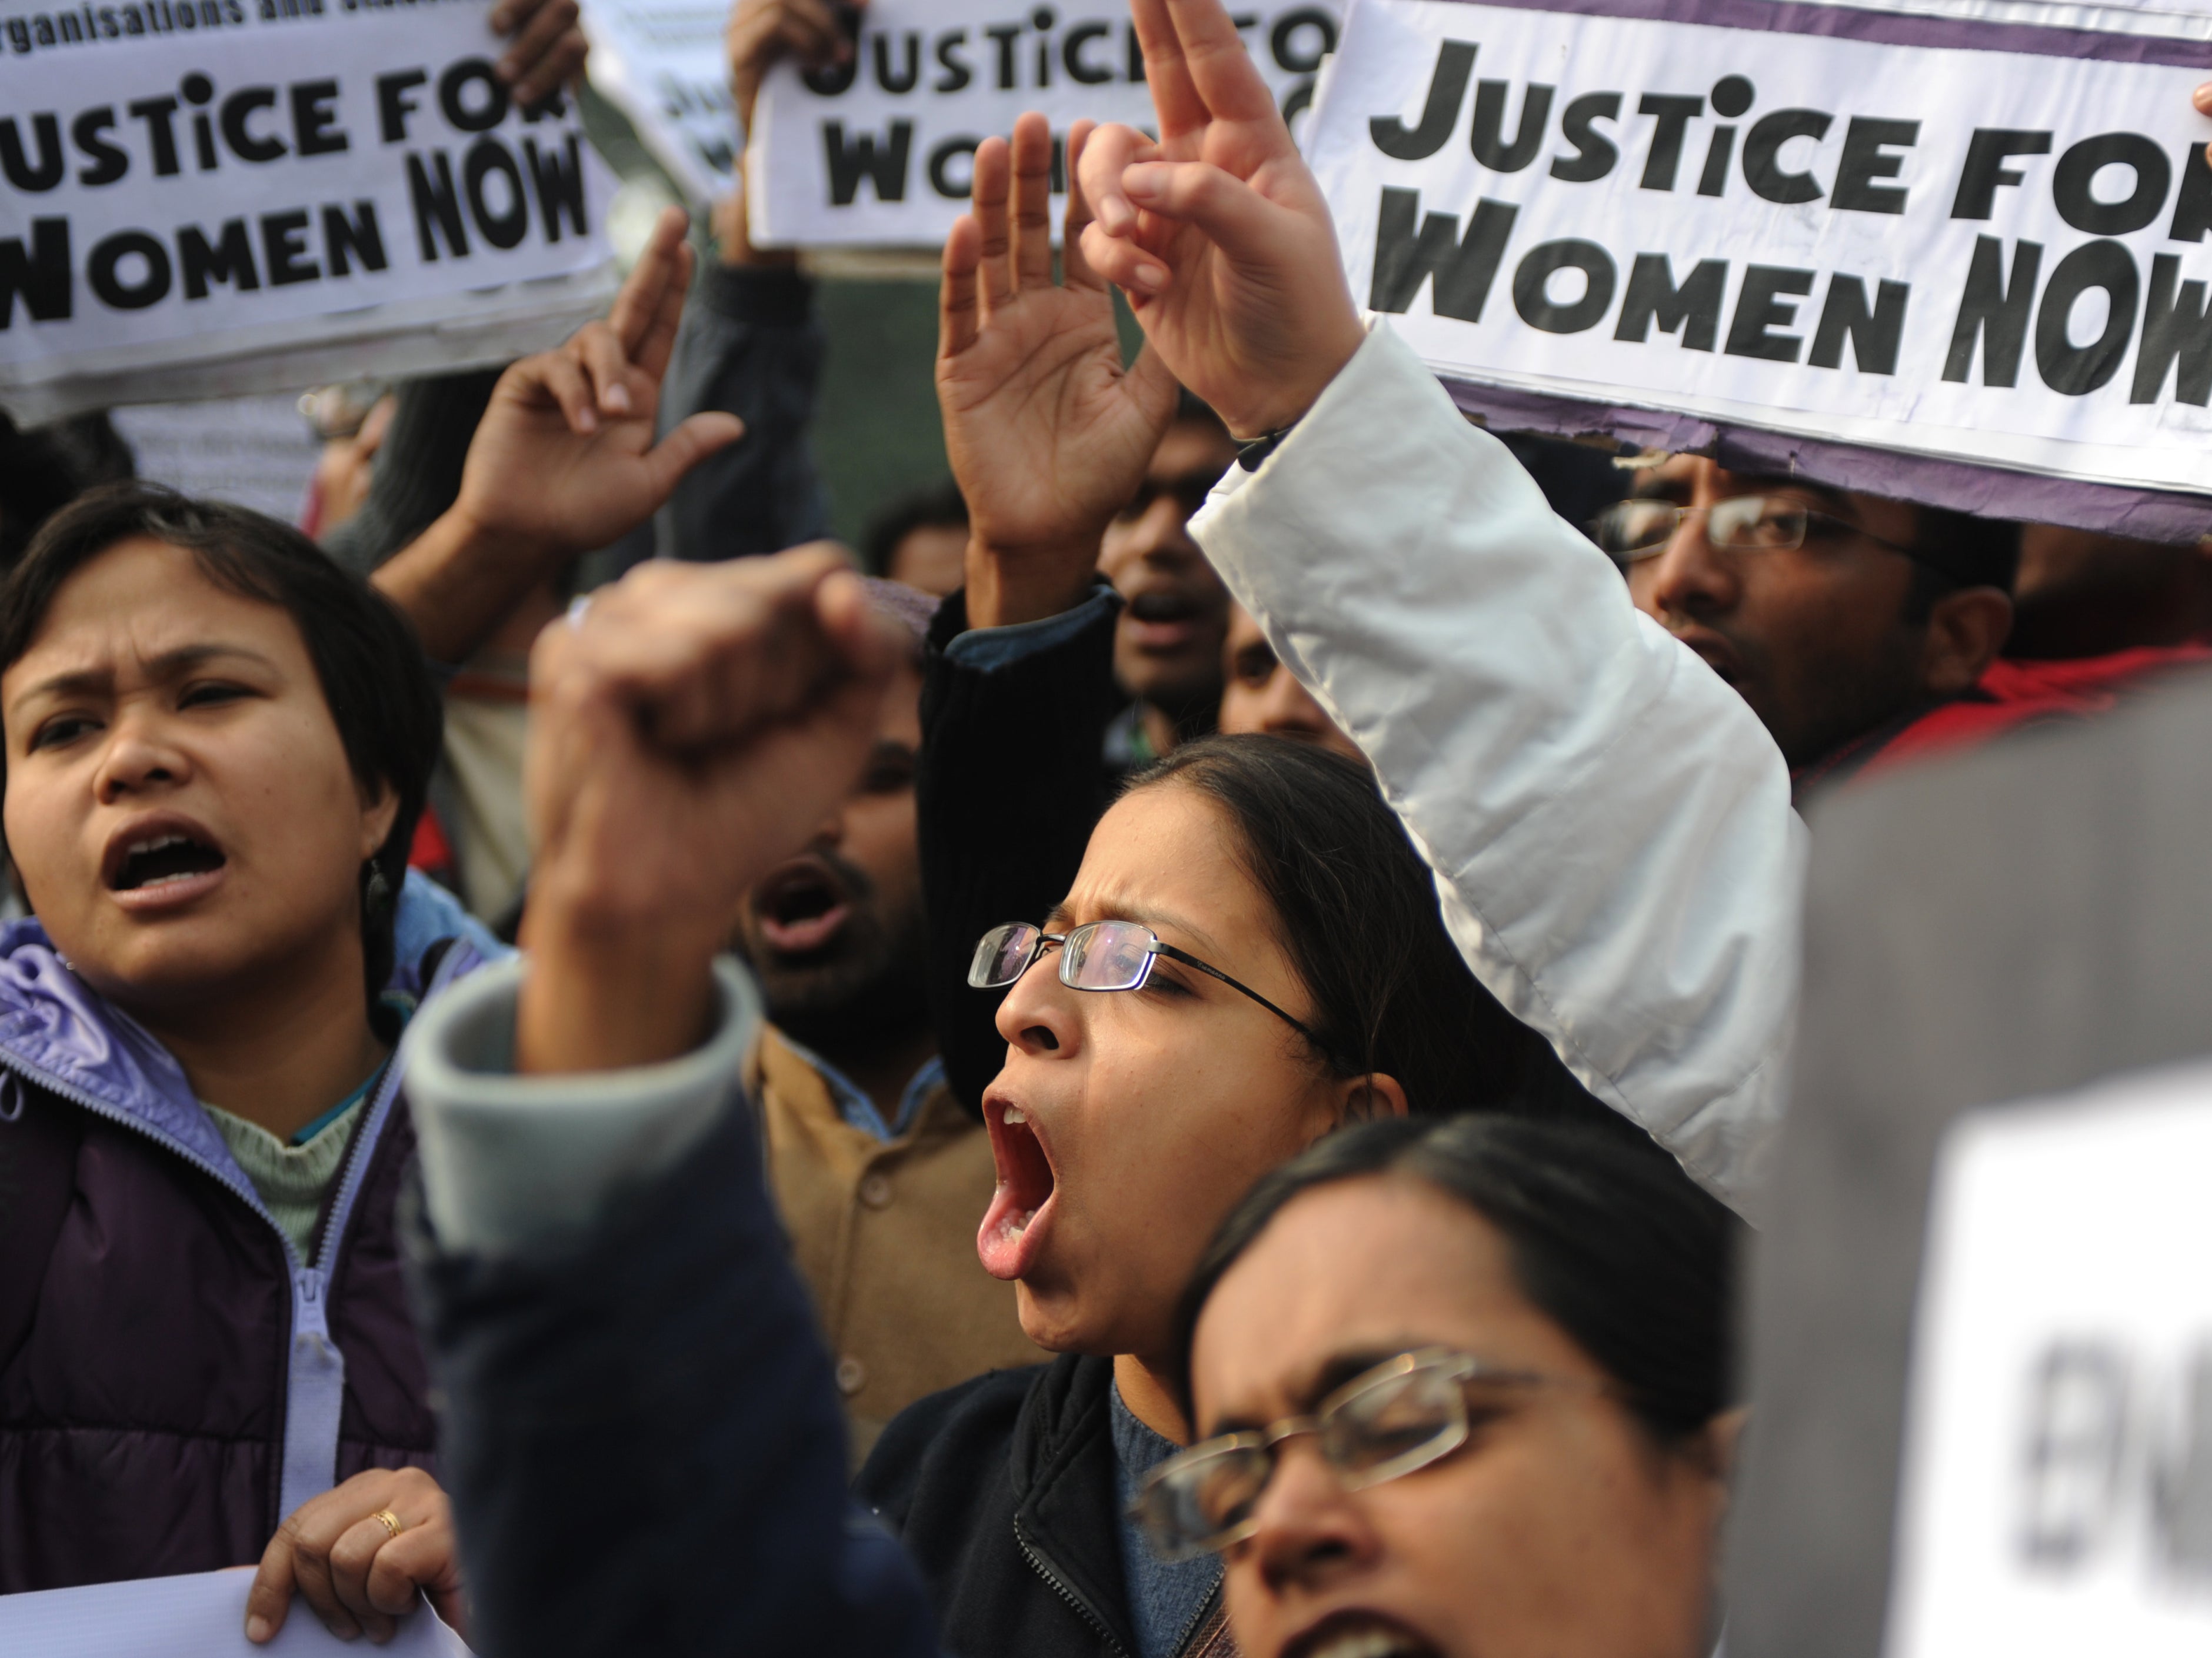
(1003, 1490)
(1010, 781)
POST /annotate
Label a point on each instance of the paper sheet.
(201, 1616)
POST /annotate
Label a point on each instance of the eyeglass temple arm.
(1188, 960)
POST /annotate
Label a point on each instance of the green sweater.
(291, 1179)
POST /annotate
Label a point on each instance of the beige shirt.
(884, 1232)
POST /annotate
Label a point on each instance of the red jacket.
(2011, 696)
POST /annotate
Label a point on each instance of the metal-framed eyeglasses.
(1633, 531)
(1404, 1414)
(1096, 956)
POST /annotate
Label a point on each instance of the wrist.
(1006, 586)
(1292, 401)
(602, 997)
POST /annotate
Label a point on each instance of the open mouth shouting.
(1163, 619)
(1021, 1208)
(801, 908)
(161, 863)
(1360, 1635)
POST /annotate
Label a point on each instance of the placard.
(2058, 1487)
(661, 62)
(1932, 236)
(221, 195)
(882, 151)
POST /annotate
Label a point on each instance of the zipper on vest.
(1045, 1570)
(314, 1370)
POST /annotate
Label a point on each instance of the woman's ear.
(1371, 1098)
(1716, 1445)
(378, 813)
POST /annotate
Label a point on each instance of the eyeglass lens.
(1003, 955)
(1745, 522)
(1107, 955)
(1390, 1427)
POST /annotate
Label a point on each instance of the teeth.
(1015, 1113)
(1364, 1644)
(158, 842)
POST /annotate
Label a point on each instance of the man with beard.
(880, 1175)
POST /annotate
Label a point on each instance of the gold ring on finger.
(392, 1524)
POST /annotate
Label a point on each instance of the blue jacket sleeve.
(641, 1440)
(751, 345)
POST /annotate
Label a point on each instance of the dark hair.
(939, 507)
(367, 657)
(1356, 911)
(43, 468)
(1613, 1243)
(1953, 551)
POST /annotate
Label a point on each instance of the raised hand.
(1218, 233)
(688, 733)
(1048, 435)
(362, 1555)
(564, 460)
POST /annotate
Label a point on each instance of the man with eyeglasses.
(1839, 617)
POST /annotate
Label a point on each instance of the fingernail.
(1114, 213)
(1151, 278)
(617, 399)
(257, 1628)
(1145, 187)
(586, 421)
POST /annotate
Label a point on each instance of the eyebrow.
(169, 664)
(1326, 1377)
(1111, 909)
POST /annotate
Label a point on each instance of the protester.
(617, 1329)
(216, 746)
(921, 540)
(879, 1172)
(1502, 1355)
(1259, 694)
(1841, 618)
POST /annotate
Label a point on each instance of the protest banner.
(661, 63)
(205, 196)
(1891, 249)
(881, 151)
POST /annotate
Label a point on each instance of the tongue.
(810, 933)
(1008, 1240)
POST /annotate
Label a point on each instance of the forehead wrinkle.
(1115, 906)
(163, 665)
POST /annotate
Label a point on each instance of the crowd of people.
(1179, 1060)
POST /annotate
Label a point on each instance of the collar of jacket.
(1066, 1507)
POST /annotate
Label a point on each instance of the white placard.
(202, 1615)
(283, 184)
(661, 62)
(881, 152)
(1827, 237)
(2056, 1495)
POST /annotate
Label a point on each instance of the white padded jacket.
(1610, 825)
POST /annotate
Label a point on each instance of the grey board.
(2018, 921)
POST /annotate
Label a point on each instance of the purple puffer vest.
(172, 1382)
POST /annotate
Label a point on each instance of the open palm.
(1048, 435)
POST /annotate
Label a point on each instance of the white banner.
(1968, 241)
(881, 152)
(661, 61)
(2056, 1497)
(213, 196)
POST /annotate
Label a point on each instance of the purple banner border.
(1989, 490)
(1890, 28)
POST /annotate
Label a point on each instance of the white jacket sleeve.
(1609, 824)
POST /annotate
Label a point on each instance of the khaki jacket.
(884, 1232)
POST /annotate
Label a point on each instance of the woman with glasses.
(1464, 1388)
(1250, 957)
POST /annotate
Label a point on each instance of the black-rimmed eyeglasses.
(1096, 956)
